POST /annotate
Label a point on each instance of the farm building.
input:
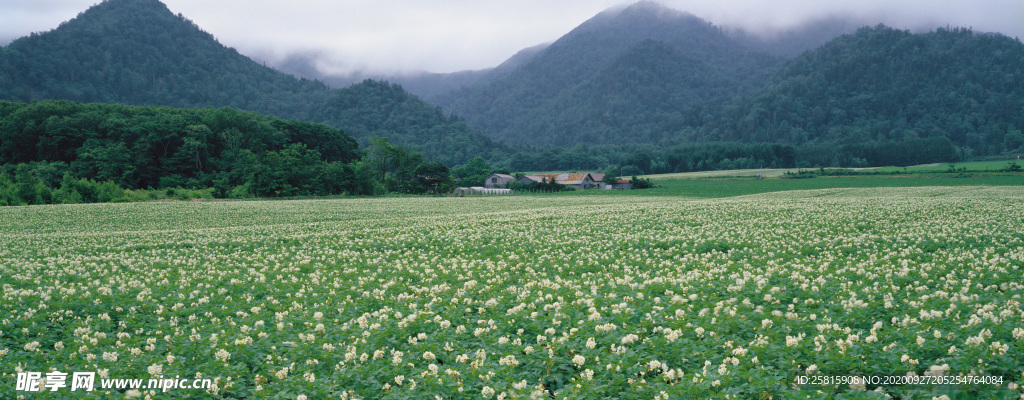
(477, 190)
(621, 184)
(578, 180)
(498, 181)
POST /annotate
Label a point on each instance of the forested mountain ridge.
(138, 52)
(883, 85)
(572, 91)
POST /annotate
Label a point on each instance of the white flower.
(509, 360)
(937, 370)
(223, 355)
(579, 360)
(155, 369)
(428, 355)
(999, 348)
(487, 392)
(31, 346)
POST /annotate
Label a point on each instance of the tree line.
(642, 159)
(57, 151)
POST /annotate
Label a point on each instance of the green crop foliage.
(578, 296)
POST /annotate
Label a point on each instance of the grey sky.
(452, 35)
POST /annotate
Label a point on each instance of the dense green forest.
(137, 52)
(58, 151)
(160, 147)
(883, 85)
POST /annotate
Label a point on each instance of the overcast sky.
(453, 35)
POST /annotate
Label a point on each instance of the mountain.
(612, 79)
(884, 85)
(137, 52)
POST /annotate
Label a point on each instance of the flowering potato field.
(580, 297)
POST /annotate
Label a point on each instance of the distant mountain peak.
(128, 19)
(656, 9)
(645, 9)
(139, 52)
